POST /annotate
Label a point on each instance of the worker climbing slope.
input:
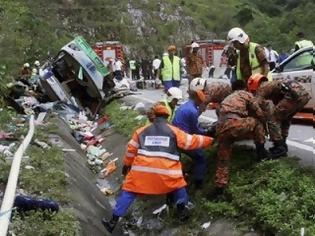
(152, 165)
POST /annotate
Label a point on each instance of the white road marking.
(301, 146)
(289, 142)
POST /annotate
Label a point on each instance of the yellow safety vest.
(132, 64)
(171, 71)
(253, 61)
(304, 43)
(172, 112)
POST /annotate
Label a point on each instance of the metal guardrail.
(9, 195)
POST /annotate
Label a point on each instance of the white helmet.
(173, 93)
(198, 84)
(195, 45)
(237, 34)
(26, 65)
(36, 63)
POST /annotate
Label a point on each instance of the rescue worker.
(152, 165)
(173, 96)
(194, 62)
(240, 117)
(26, 71)
(132, 66)
(36, 67)
(250, 57)
(170, 69)
(186, 118)
(288, 97)
(216, 92)
(302, 42)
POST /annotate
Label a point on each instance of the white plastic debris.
(28, 167)
(159, 210)
(139, 221)
(91, 163)
(124, 108)
(68, 150)
(140, 117)
(41, 144)
(98, 162)
(206, 225)
(139, 106)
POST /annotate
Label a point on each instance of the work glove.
(125, 170)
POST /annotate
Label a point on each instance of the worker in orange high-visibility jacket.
(152, 165)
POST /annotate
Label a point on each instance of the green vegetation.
(45, 177)
(33, 30)
(276, 196)
(44, 223)
(123, 121)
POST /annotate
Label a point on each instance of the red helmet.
(254, 82)
(160, 109)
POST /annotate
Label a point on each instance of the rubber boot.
(182, 212)
(279, 149)
(261, 152)
(199, 184)
(110, 224)
(216, 194)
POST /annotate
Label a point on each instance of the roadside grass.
(123, 121)
(274, 196)
(46, 178)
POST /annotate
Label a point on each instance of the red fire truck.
(210, 50)
(109, 50)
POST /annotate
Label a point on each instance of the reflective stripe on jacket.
(153, 156)
(171, 71)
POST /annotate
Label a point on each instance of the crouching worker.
(152, 165)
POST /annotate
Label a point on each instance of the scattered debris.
(124, 108)
(139, 221)
(139, 106)
(40, 118)
(206, 225)
(24, 203)
(105, 156)
(107, 191)
(29, 167)
(6, 136)
(140, 117)
(160, 210)
(111, 167)
(7, 150)
(41, 144)
(68, 150)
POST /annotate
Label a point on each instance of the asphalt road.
(301, 137)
